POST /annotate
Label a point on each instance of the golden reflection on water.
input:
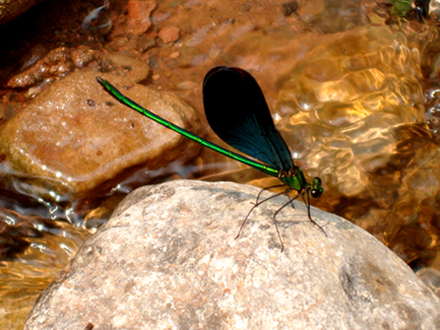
(350, 105)
(33, 251)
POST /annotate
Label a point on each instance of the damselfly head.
(316, 190)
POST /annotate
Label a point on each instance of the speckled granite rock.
(10, 9)
(167, 259)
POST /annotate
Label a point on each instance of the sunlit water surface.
(359, 109)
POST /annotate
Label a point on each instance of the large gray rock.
(167, 259)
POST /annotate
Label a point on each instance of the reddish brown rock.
(139, 12)
(61, 61)
(74, 137)
(169, 33)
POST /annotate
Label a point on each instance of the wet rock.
(12, 9)
(168, 259)
(169, 34)
(61, 61)
(74, 138)
(326, 15)
(145, 43)
(290, 7)
(131, 68)
(138, 20)
(55, 64)
(33, 55)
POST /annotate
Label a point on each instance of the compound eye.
(317, 190)
(316, 193)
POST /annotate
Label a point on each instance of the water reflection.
(350, 105)
(32, 252)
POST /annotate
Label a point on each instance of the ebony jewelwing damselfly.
(237, 112)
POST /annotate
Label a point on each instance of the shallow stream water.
(353, 88)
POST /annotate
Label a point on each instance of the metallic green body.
(293, 178)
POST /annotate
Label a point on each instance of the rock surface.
(75, 138)
(139, 15)
(10, 9)
(61, 61)
(167, 259)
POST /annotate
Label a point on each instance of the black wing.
(238, 113)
